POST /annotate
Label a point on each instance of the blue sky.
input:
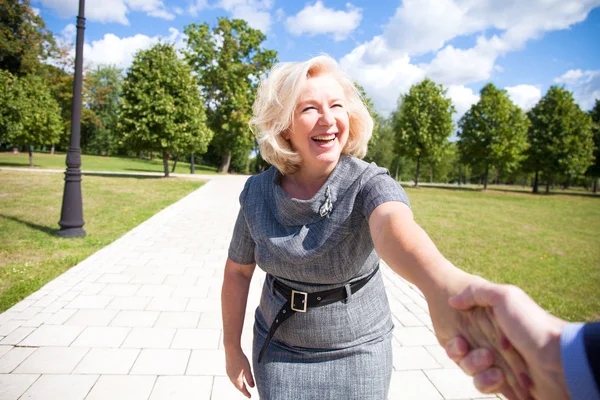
(386, 46)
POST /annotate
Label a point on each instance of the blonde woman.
(317, 222)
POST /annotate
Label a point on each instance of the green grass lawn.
(547, 245)
(30, 205)
(98, 163)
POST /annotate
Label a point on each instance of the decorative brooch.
(327, 206)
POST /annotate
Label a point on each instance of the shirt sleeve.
(578, 374)
(380, 189)
(241, 247)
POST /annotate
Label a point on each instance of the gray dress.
(342, 350)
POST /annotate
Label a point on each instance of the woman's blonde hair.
(276, 100)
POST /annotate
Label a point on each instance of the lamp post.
(71, 217)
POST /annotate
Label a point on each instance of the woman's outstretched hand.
(500, 367)
(238, 371)
(527, 327)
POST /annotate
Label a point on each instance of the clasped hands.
(508, 343)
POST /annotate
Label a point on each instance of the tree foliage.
(560, 137)
(423, 123)
(28, 114)
(229, 62)
(24, 39)
(161, 109)
(594, 169)
(493, 133)
(102, 95)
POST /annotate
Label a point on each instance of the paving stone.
(161, 362)
(53, 335)
(98, 317)
(16, 336)
(122, 387)
(223, 389)
(107, 361)
(38, 320)
(63, 387)
(204, 305)
(135, 319)
(14, 357)
(8, 327)
(148, 278)
(128, 303)
(180, 281)
(413, 358)
(190, 292)
(211, 320)
(453, 383)
(149, 338)
(89, 301)
(182, 388)
(196, 339)
(207, 362)
(412, 385)
(114, 278)
(5, 349)
(61, 316)
(177, 320)
(52, 360)
(441, 357)
(102, 336)
(167, 304)
(120, 289)
(415, 336)
(12, 386)
(154, 291)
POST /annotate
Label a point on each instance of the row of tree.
(199, 102)
(556, 140)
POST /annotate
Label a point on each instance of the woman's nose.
(327, 118)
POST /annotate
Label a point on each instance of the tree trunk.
(175, 163)
(595, 185)
(52, 149)
(418, 169)
(225, 161)
(536, 182)
(397, 168)
(485, 178)
(430, 174)
(15, 150)
(166, 163)
(192, 166)
(140, 155)
(548, 186)
(459, 174)
(30, 157)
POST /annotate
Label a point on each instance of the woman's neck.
(306, 182)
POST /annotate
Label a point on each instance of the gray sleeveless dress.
(342, 350)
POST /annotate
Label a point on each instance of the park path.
(140, 319)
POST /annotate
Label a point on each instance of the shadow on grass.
(124, 175)
(507, 189)
(198, 170)
(41, 228)
(18, 165)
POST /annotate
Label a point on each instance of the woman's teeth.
(324, 138)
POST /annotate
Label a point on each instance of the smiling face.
(321, 124)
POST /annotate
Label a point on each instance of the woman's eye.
(337, 105)
(309, 108)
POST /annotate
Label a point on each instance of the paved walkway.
(140, 319)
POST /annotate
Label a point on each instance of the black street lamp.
(71, 217)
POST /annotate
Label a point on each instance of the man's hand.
(532, 331)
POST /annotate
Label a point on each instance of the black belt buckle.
(299, 303)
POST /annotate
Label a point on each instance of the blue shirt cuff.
(578, 373)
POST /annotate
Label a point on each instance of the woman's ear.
(286, 134)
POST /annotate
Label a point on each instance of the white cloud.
(36, 11)
(197, 6)
(69, 33)
(525, 96)
(427, 26)
(113, 50)
(462, 98)
(255, 12)
(109, 10)
(318, 20)
(584, 84)
(178, 10)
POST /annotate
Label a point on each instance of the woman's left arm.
(409, 252)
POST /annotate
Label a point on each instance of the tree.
(493, 133)
(423, 123)
(102, 97)
(28, 114)
(381, 145)
(24, 39)
(594, 169)
(229, 62)
(161, 109)
(560, 137)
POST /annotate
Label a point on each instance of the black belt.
(301, 301)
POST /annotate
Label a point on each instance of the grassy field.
(98, 163)
(30, 204)
(547, 245)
